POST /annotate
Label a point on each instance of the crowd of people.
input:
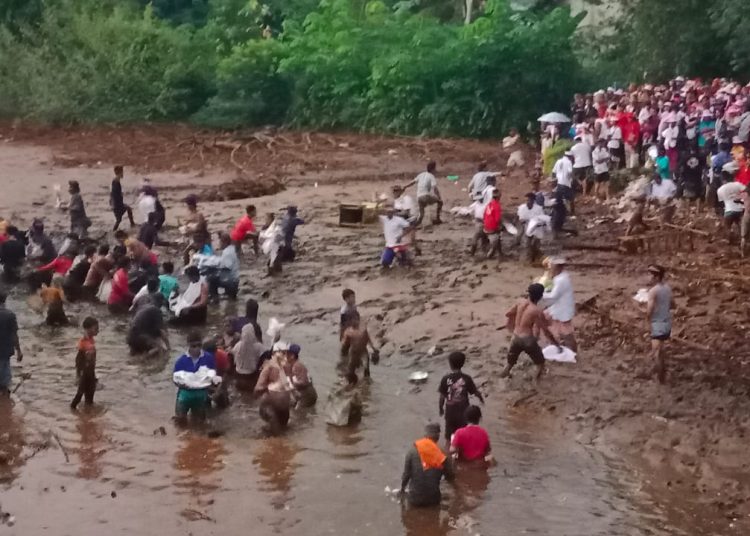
(692, 137)
(133, 278)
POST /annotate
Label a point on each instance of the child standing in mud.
(348, 311)
(455, 389)
(86, 363)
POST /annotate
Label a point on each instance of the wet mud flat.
(589, 451)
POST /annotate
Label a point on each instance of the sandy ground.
(683, 444)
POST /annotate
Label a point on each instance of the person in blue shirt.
(192, 401)
(662, 164)
(288, 226)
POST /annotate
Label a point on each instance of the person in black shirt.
(40, 248)
(73, 284)
(12, 254)
(149, 232)
(116, 201)
(454, 389)
(692, 178)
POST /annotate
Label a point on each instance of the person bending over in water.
(53, 298)
(304, 393)
(523, 318)
(354, 345)
(274, 389)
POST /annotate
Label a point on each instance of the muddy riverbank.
(590, 451)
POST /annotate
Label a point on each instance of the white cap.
(280, 346)
(556, 261)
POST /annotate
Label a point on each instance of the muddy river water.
(122, 467)
(123, 476)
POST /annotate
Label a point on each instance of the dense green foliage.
(338, 64)
(83, 65)
(402, 66)
(658, 39)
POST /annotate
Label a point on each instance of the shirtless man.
(523, 318)
(354, 345)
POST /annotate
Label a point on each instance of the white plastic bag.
(552, 353)
(274, 328)
(203, 378)
(641, 296)
(105, 289)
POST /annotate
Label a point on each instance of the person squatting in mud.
(274, 388)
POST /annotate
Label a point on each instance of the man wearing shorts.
(659, 317)
(581, 163)
(428, 193)
(524, 319)
(730, 194)
(601, 158)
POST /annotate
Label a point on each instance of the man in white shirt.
(394, 228)
(228, 274)
(478, 182)
(581, 161)
(662, 190)
(405, 207)
(526, 211)
(615, 145)
(563, 174)
(561, 304)
(731, 195)
(601, 158)
(427, 192)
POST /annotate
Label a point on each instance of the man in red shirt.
(59, 266)
(245, 228)
(472, 441)
(492, 220)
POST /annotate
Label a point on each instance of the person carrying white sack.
(272, 239)
(561, 304)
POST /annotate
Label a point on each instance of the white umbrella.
(554, 117)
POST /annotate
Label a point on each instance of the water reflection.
(92, 439)
(199, 459)
(430, 521)
(12, 441)
(275, 462)
(460, 497)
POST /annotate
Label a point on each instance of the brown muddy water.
(124, 477)
(117, 473)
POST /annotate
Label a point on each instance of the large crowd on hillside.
(694, 136)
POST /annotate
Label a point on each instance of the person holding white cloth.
(561, 304)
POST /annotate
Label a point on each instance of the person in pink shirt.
(471, 442)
